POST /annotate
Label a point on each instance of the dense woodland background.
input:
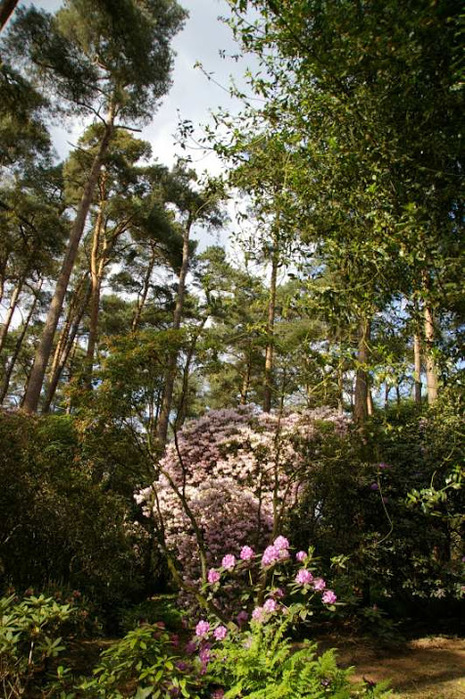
(343, 298)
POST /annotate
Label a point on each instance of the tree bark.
(145, 290)
(18, 345)
(431, 369)
(417, 368)
(97, 264)
(246, 380)
(9, 314)
(34, 388)
(361, 377)
(6, 9)
(63, 351)
(268, 377)
(167, 401)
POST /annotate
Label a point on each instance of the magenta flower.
(218, 694)
(242, 617)
(229, 561)
(220, 633)
(304, 577)
(374, 486)
(301, 556)
(278, 593)
(213, 576)
(247, 553)
(202, 628)
(319, 584)
(258, 614)
(270, 556)
(329, 597)
(281, 543)
(190, 647)
(270, 605)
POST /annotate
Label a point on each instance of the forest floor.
(432, 667)
(427, 668)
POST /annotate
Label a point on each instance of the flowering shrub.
(232, 473)
(257, 659)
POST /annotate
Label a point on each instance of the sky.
(192, 96)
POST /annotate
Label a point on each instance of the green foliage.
(67, 508)
(264, 664)
(30, 637)
(162, 608)
(390, 509)
(140, 665)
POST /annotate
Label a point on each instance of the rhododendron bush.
(228, 479)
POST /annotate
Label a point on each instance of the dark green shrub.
(30, 638)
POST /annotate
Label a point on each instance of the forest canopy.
(175, 412)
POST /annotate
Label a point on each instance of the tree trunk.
(361, 377)
(3, 266)
(97, 264)
(417, 368)
(59, 361)
(431, 369)
(75, 303)
(9, 315)
(370, 408)
(246, 380)
(145, 290)
(167, 401)
(34, 388)
(18, 345)
(268, 378)
(6, 9)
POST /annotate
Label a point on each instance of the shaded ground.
(427, 668)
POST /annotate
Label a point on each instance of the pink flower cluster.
(305, 577)
(278, 551)
(226, 470)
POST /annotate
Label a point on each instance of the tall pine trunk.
(19, 343)
(268, 377)
(431, 369)
(64, 348)
(145, 290)
(97, 264)
(11, 309)
(170, 375)
(36, 379)
(6, 9)
(361, 377)
(417, 368)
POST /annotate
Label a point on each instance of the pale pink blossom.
(229, 561)
(281, 543)
(329, 597)
(213, 576)
(220, 633)
(319, 584)
(270, 556)
(301, 556)
(247, 553)
(304, 577)
(270, 605)
(202, 628)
